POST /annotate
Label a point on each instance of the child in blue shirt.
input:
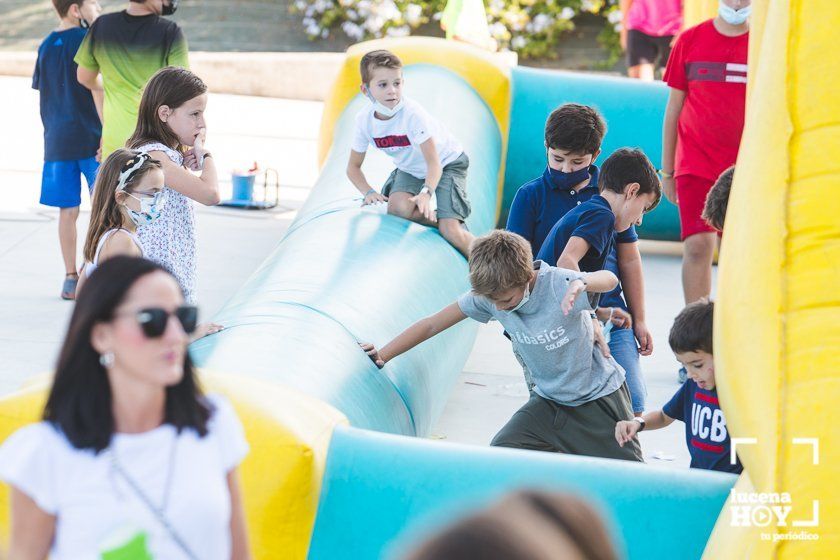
(696, 402)
(573, 136)
(585, 239)
(72, 126)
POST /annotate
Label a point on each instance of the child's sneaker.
(68, 289)
(682, 375)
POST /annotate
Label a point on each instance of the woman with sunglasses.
(130, 455)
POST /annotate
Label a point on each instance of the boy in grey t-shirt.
(579, 394)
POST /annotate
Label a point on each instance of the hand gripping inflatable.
(776, 336)
(281, 477)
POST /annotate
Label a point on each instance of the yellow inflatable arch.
(777, 343)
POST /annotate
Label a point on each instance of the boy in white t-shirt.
(428, 158)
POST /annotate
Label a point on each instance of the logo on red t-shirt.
(395, 141)
(716, 72)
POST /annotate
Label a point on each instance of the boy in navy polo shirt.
(573, 136)
(696, 401)
(72, 127)
(585, 239)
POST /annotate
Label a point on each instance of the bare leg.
(698, 251)
(645, 72)
(400, 204)
(67, 238)
(457, 236)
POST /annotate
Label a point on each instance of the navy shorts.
(647, 49)
(61, 181)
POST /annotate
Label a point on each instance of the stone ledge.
(296, 75)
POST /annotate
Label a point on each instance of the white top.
(170, 240)
(94, 506)
(401, 135)
(91, 266)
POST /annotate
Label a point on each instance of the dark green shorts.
(587, 429)
(451, 192)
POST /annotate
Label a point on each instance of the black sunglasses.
(153, 320)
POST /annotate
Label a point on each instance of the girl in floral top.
(171, 128)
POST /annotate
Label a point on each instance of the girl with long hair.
(171, 128)
(128, 193)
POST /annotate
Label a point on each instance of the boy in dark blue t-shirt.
(584, 239)
(696, 401)
(573, 136)
(72, 126)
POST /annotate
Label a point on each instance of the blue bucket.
(243, 186)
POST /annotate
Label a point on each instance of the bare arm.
(419, 332)
(575, 249)
(240, 549)
(433, 167)
(633, 284)
(355, 173)
(676, 99)
(32, 528)
(203, 188)
(91, 80)
(626, 430)
(118, 244)
(601, 281)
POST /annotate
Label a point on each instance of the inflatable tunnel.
(376, 502)
(344, 274)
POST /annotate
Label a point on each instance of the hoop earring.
(107, 359)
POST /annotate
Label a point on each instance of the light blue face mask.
(150, 209)
(384, 110)
(525, 297)
(732, 16)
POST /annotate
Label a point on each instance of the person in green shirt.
(127, 48)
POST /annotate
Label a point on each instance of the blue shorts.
(61, 181)
(625, 351)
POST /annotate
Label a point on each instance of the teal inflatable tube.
(344, 274)
(382, 492)
(634, 111)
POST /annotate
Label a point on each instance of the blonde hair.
(105, 212)
(499, 261)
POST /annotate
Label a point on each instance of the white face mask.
(150, 209)
(382, 109)
(731, 15)
(525, 297)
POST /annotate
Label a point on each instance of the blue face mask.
(566, 181)
(732, 16)
(150, 209)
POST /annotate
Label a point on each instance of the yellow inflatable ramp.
(777, 339)
(288, 432)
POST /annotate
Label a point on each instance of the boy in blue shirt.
(585, 239)
(696, 401)
(72, 126)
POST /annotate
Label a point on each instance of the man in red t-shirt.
(707, 74)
